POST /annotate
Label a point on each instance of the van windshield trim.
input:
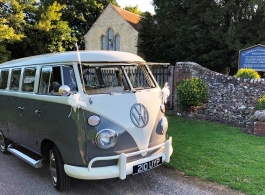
(111, 64)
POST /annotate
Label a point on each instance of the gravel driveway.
(17, 177)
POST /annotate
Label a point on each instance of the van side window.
(69, 77)
(28, 79)
(15, 78)
(4, 79)
(50, 80)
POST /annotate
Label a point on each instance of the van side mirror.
(64, 90)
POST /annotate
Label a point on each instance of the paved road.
(19, 178)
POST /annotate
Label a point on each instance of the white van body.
(93, 114)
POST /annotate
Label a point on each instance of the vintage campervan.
(91, 114)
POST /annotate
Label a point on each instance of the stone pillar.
(181, 72)
(259, 128)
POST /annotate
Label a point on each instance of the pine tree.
(209, 32)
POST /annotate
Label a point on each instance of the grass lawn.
(217, 152)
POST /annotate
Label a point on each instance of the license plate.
(147, 165)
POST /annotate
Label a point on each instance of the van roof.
(72, 56)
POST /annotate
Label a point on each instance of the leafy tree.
(43, 30)
(9, 27)
(187, 30)
(208, 32)
(4, 54)
(81, 14)
(149, 37)
(244, 26)
(8, 32)
(133, 9)
(44, 26)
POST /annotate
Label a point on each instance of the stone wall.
(231, 100)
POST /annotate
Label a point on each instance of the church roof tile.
(131, 18)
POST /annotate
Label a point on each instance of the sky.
(143, 5)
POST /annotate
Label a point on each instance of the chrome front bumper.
(122, 168)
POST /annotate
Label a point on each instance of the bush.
(247, 73)
(261, 103)
(192, 92)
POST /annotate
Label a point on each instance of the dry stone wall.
(231, 100)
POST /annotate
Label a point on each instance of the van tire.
(4, 143)
(60, 180)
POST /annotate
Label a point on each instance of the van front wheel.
(60, 180)
(3, 143)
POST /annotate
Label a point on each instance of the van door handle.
(38, 112)
(20, 108)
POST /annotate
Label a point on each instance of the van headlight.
(106, 138)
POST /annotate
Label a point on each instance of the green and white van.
(91, 114)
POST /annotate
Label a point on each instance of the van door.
(4, 103)
(34, 123)
(15, 110)
(28, 119)
(57, 122)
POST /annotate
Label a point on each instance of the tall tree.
(10, 24)
(150, 38)
(208, 32)
(245, 26)
(81, 14)
(44, 26)
(43, 29)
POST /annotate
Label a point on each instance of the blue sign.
(253, 57)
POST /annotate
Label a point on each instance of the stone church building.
(115, 29)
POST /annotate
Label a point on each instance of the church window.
(110, 39)
(104, 43)
(117, 43)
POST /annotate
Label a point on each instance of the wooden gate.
(163, 72)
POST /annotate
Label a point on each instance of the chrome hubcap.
(2, 142)
(53, 169)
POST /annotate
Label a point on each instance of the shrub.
(261, 103)
(247, 73)
(192, 92)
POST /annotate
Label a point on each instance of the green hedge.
(192, 92)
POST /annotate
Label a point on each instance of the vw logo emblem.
(139, 115)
